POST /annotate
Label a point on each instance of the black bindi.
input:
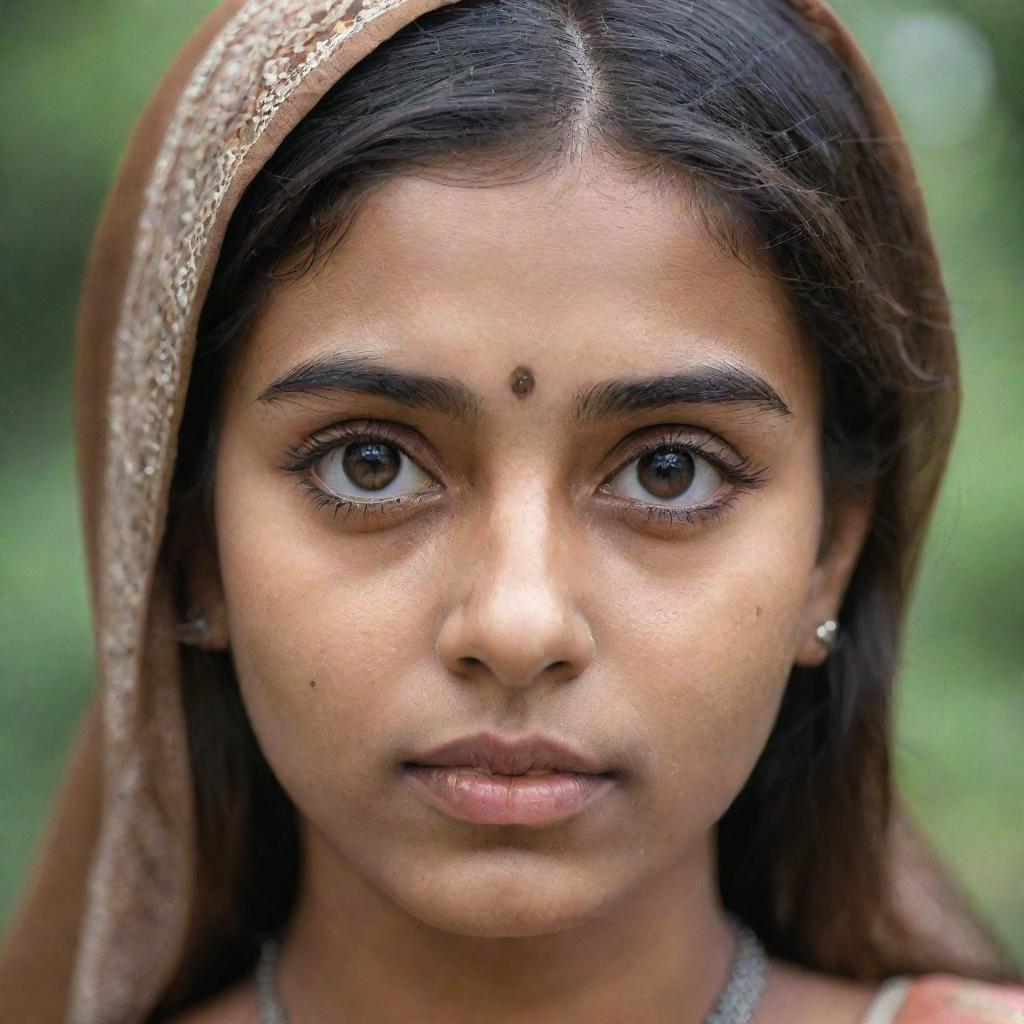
(521, 381)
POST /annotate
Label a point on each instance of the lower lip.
(474, 796)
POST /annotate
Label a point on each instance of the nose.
(514, 618)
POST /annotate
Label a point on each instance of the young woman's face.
(619, 559)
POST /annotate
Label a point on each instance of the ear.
(204, 589)
(847, 520)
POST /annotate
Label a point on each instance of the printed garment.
(946, 999)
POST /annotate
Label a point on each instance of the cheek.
(708, 632)
(322, 626)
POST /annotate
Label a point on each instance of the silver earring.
(827, 633)
(196, 627)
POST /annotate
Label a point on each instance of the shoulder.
(950, 999)
(235, 1005)
(795, 993)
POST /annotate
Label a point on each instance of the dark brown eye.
(371, 465)
(370, 469)
(666, 472)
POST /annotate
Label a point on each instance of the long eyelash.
(303, 455)
(325, 500)
(700, 514)
(744, 475)
(300, 457)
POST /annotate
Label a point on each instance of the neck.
(662, 953)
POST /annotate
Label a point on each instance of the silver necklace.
(742, 992)
(736, 1004)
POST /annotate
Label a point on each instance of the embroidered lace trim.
(254, 64)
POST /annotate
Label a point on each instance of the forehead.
(582, 274)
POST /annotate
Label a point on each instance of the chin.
(504, 894)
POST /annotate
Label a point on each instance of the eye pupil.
(666, 472)
(371, 465)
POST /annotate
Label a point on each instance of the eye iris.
(371, 465)
(666, 472)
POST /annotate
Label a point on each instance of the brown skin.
(661, 648)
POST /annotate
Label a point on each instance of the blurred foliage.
(75, 77)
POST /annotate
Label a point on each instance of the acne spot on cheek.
(521, 381)
(312, 684)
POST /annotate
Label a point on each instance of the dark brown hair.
(739, 102)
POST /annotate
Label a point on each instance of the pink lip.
(470, 794)
(493, 780)
(503, 756)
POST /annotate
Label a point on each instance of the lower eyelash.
(325, 500)
(742, 476)
(662, 513)
(698, 514)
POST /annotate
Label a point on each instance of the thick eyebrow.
(708, 383)
(361, 375)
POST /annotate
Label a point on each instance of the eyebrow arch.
(357, 373)
(705, 383)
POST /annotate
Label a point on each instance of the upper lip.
(505, 756)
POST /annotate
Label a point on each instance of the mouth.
(502, 755)
(536, 798)
(491, 779)
(483, 770)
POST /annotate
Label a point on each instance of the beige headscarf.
(100, 926)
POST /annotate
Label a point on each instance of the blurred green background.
(75, 76)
